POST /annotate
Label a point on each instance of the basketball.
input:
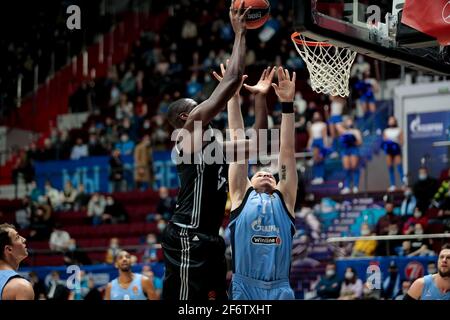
(258, 14)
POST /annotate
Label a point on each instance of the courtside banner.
(94, 172)
(430, 17)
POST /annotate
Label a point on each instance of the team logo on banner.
(446, 13)
(414, 270)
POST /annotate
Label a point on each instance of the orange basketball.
(258, 14)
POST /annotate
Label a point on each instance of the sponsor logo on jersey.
(266, 240)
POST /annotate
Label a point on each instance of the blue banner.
(423, 130)
(408, 267)
(101, 273)
(94, 172)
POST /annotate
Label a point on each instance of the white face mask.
(417, 214)
(349, 275)
(365, 232)
(330, 273)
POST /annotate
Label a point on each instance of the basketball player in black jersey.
(193, 250)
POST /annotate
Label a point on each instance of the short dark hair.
(445, 246)
(178, 107)
(5, 239)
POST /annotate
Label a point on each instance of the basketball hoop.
(328, 65)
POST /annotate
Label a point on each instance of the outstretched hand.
(238, 17)
(223, 70)
(285, 89)
(263, 85)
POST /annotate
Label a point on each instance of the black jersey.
(203, 191)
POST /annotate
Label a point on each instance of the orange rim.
(295, 38)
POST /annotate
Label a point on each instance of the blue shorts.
(391, 148)
(245, 288)
(368, 98)
(318, 143)
(335, 119)
(350, 151)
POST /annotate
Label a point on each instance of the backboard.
(372, 28)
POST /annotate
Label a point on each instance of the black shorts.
(195, 265)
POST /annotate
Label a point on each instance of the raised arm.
(287, 169)
(231, 81)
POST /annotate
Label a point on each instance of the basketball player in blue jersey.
(433, 286)
(129, 285)
(12, 251)
(262, 211)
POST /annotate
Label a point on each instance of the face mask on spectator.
(365, 232)
(422, 177)
(110, 202)
(417, 214)
(146, 125)
(330, 273)
(418, 231)
(124, 138)
(431, 270)
(71, 247)
(408, 193)
(349, 275)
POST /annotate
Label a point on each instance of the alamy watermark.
(209, 146)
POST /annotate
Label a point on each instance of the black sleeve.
(408, 297)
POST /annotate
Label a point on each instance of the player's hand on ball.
(238, 17)
(285, 89)
(219, 77)
(263, 85)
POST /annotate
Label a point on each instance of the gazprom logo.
(419, 129)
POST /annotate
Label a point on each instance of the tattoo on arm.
(283, 172)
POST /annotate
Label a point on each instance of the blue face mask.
(422, 177)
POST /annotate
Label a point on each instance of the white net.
(328, 65)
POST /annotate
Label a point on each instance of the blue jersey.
(431, 292)
(133, 292)
(261, 237)
(5, 277)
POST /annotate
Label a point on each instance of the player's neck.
(442, 283)
(9, 265)
(125, 277)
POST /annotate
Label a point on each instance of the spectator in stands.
(382, 227)
(329, 286)
(73, 255)
(68, 196)
(38, 285)
(431, 267)
(157, 281)
(392, 146)
(51, 195)
(151, 249)
(318, 143)
(408, 204)
(114, 212)
(406, 284)
(59, 239)
(350, 139)
(424, 189)
(420, 246)
(143, 164)
(96, 208)
(116, 176)
(359, 67)
(391, 285)
(352, 286)
(49, 152)
(23, 170)
(309, 112)
(125, 108)
(125, 145)
(82, 199)
(34, 153)
(95, 148)
(93, 294)
(418, 217)
(299, 103)
(166, 204)
(441, 198)
(56, 289)
(405, 249)
(112, 251)
(79, 150)
(35, 192)
(390, 247)
(24, 213)
(364, 248)
(41, 223)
